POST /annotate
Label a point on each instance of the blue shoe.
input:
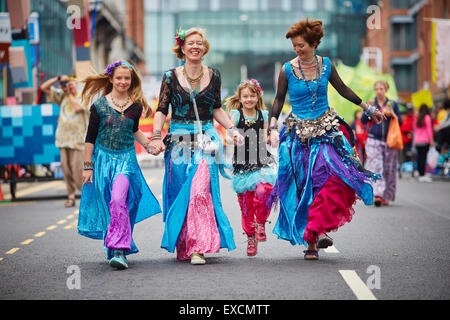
(118, 260)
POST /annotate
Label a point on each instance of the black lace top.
(174, 94)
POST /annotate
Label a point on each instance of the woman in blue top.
(319, 173)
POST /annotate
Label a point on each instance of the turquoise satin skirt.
(94, 216)
(181, 163)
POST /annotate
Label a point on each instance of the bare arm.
(223, 118)
(46, 86)
(76, 104)
(88, 174)
(141, 138)
(156, 145)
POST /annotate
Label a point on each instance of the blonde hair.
(177, 47)
(383, 82)
(234, 102)
(101, 83)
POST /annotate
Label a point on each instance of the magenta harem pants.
(119, 230)
(382, 160)
(253, 207)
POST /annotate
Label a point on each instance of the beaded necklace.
(314, 96)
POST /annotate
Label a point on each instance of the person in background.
(358, 130)
(423, 139)
(380, 158)
(71, 131)
(408, 118)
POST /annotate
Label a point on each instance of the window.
(229, 4)
(403, 36)
(248, 5)
(403, 4)
(203, 4)
(405, 76)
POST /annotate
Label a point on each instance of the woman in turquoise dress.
(195, 222)
(319, 173)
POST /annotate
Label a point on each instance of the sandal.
(313, 253)
(198, 258)
(324, 241)
(70, 202)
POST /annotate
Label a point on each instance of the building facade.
(248, 36)
(404, 40)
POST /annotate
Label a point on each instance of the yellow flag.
(422, 97)
(433, 51)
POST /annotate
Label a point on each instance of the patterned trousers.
(382, 160)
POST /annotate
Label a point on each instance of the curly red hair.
(310, 30)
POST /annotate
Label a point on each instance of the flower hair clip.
(257, 84)
(180, 36)
(112, 66)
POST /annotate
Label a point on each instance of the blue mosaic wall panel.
(27, 134)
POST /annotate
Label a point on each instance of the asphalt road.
(399, 252)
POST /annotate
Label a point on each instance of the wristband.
(274, 127)
(370, 111)
(88, 168)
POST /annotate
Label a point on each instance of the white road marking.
(359, 288)
(331, 249)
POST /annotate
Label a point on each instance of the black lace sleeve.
(341, 88)
(217, 89)
(280, 95)
(165, 95)
(136, 117)
(94, 122)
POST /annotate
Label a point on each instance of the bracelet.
(155, 137)
(274, 127)
(88, 168)
(88, 164)
(370, 111)
(232, 130)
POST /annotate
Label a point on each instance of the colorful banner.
(440, 52)
(361, 80)
(27, 134)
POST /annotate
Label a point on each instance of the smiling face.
(248, 98)
(121, 79)
(193, 47)
(303, 49)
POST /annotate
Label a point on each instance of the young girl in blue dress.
(254, 171)
(115, 194)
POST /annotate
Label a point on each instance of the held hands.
(155, 147)
(378, 116)
(238, 139)
(372, 112)
(274, 138)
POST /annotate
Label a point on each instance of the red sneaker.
(384, 202)
(252, 246)
(260, 234)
